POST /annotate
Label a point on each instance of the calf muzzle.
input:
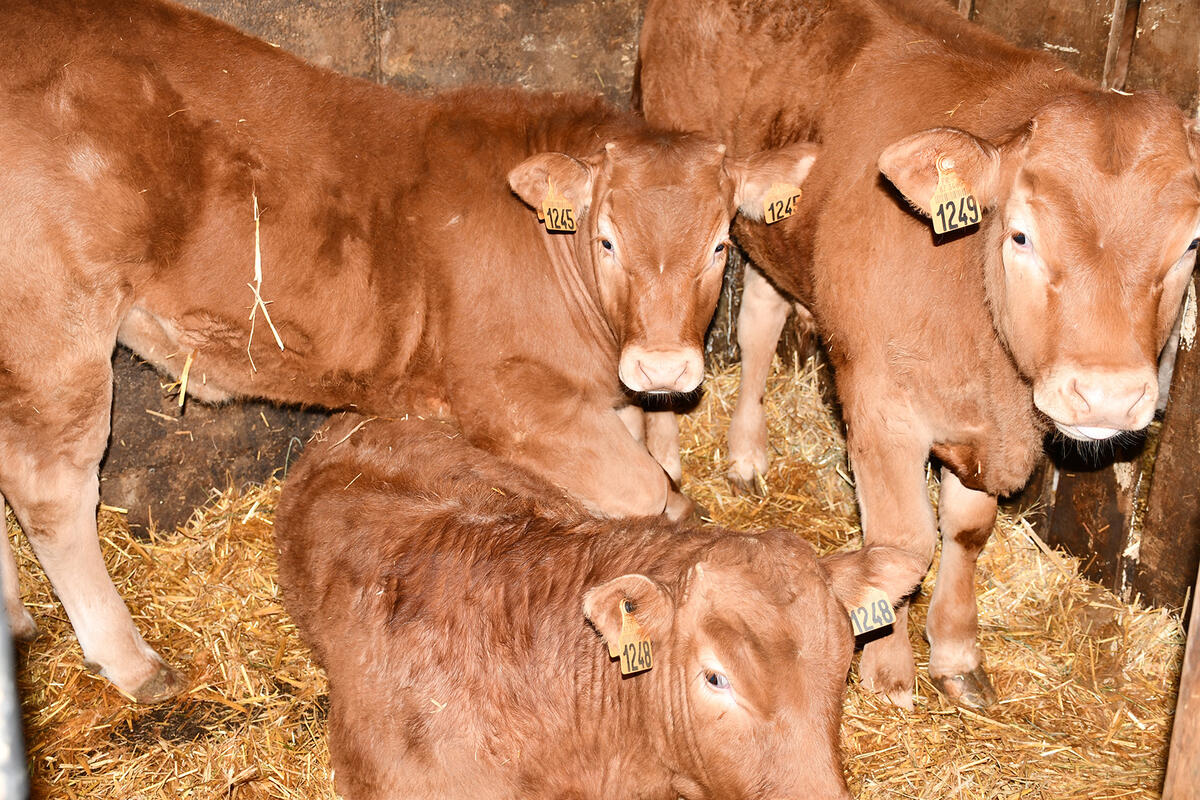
(678, 370)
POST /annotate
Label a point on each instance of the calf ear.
(652, 606)
(894, 571)
(572, 178)
(911, 165)
(754, 176)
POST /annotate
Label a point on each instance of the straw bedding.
(1087, 681)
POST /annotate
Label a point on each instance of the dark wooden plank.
(580, 45)
(1166, 51)
(340, 34)
(161, 464)
(1075, 31)
(1167, 536)
(1183, 762)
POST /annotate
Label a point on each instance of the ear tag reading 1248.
(557, 212)
(874, 612)
(780, 202)
(633, 646)
(952, 205)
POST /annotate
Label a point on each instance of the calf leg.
(19, 621)
(966, 517)
(662, 440)
(888, 459)
(760, 321)
(48, 471)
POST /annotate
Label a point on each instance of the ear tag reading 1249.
(780, 202)
(633, 645)
(952, 205)
(874, 612)
(557, 212)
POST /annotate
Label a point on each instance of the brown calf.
(1048, 314)
(274, 230)
(448, 596)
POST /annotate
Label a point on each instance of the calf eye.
(1019, 239)
(716, 680)
(606, 244)
(1195, 243)
(721, 247)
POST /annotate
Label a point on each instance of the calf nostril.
(1136, 406)
(645, 373)
(1077, 398)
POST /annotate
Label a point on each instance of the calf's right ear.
(651, 606)
(571, 177)
(894, 571)
(754, 176)
(911, 165)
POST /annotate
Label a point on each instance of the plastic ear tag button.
(556, 211)
(874, 612)
(952, 205)
(780, 202)
(633, 645)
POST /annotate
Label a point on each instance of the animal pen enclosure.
(1089, 687)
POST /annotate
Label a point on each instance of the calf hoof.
(745, 482)
(162, 685)
(681, 508)
(897, 694)
(969, 689)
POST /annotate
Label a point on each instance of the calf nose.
(661, 370)
(1121, 401)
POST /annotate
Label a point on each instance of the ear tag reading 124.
(952, 205)
(633, 646)
(780, 202)
(557, 212)
(874, 612)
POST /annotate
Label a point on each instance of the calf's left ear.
(651, 606)
(572, 178)
(894, 571)
(911, 165)
(754, 176)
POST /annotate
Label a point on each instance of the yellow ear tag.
(952, 205)
(780, 202)
(874, 612)
(633, 646)
(556, 211)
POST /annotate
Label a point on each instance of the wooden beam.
(1183, 762)
(1077, 32)
(1166, 51)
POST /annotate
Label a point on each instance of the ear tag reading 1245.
(780, 202)
(633, 646)
(874, 612)
(952, 205)
(557, 212)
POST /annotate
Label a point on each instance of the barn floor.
(1087, 682)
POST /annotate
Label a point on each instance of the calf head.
(654, 211)
(1090, 242)
(752, 645)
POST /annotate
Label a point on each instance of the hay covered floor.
(1087, 682)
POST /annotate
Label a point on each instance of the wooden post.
(1183, 762)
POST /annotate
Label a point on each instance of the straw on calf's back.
(448, 596)
(156, 162)
(1052, 311)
